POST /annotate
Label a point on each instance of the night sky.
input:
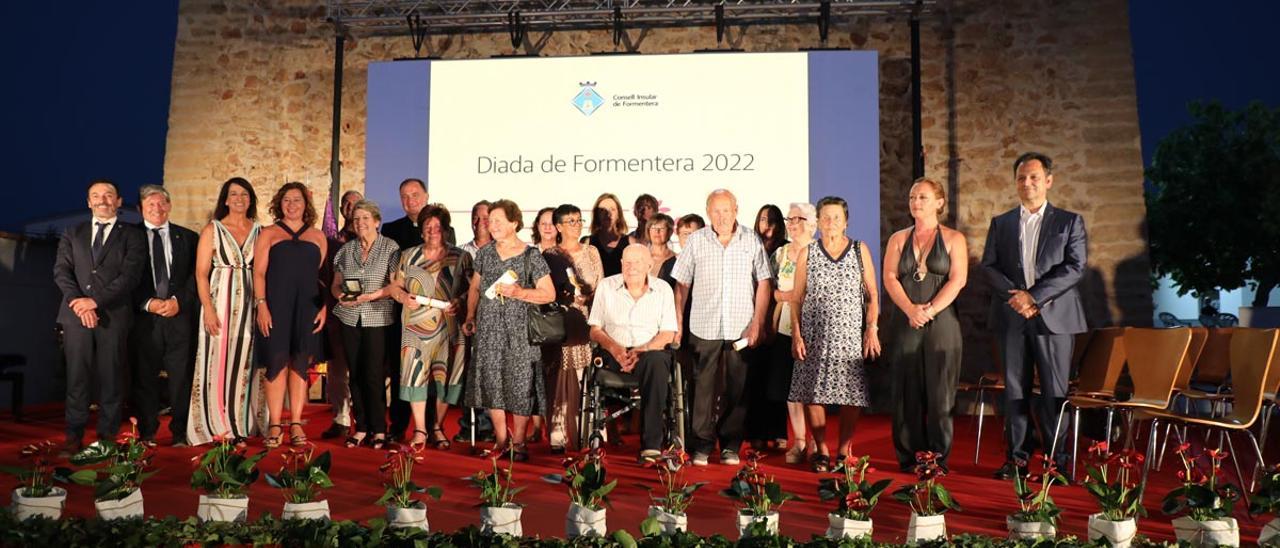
(89, 86)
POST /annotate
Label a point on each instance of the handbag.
(545, 321)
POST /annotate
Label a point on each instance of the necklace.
(921, 254)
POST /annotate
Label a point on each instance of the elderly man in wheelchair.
(633, 324)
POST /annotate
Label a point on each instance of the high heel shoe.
(272, 442)
(442, 443)
(297, 440)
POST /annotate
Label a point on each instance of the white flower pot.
(49, 507)
(670, 523)
(128, 507)
(745, 520)
(408, 518)
(839, 527)
(1218, 532)
(1270, 532)
(501, 519)
(1030, 529)
(220, 509)
(306, 510)
(921, 528)
(581, 521)
(1119, 533)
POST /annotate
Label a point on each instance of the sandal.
(378, 442)
(442, 443)
(272, 442)
(355, 440)
(820, 463)
(794, 455)
(520, 452)
(297, 440)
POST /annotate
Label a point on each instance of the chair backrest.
(1079, 347)
(1155, 356)
(1199, 336)
(1215, 361)
(1227, 320)
(1272, 384)
(1103, 361)
(1251, 353)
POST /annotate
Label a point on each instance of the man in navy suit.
(166, 305)
(97, 267)
(1034, 260)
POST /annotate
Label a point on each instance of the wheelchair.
(608, 394)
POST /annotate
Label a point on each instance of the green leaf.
(944, 497)
(649, 527)
(323, 461)
(435, 492)
(84, 477)
(624, 539)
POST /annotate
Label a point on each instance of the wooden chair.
(987, 382)
(1100, 367)
(1252, 351)
(1199, 336)
(1154, 357)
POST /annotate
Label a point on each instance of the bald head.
(636, 262)
(722, 210)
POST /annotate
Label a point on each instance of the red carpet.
(986, 501)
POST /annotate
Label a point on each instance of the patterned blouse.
(374, 273)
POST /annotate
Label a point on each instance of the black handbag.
(546, 321)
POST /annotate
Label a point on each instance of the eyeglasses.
(572, 222)
(796, 219)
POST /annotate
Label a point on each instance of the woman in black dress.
(925, 267)
(290, 313)
(608, 232)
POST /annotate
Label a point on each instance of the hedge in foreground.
(269, 531)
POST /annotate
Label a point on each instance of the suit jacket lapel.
(116, 234)
(1044, 230)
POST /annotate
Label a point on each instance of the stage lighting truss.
(392, 17)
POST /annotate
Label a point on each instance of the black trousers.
(96, 357)
(366, 349)
(769, 368)
(712, 359)
(1050, 357)
(923, 398)
(156, 344)
(653, 370)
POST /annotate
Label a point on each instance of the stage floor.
(986, 501)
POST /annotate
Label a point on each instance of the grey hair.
(810, 215)
(370, 206)
(147, 190)
(722, 192)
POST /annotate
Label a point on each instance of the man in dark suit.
(1034, 259)
(97, 267)
(167, 306)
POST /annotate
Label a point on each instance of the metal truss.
(460, 16)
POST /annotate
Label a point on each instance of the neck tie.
(159, 265)
(97, 240)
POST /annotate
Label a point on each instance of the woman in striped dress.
(226, 392)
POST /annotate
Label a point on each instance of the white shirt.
(1029, 235)
(106, 231)
(630, 321)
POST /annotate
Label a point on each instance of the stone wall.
(252, 96)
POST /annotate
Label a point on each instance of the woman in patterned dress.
(575, 271)
(432, 360)
(835, 297)
(226, 392)
(505, 376)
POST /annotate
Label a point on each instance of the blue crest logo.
(587, 100)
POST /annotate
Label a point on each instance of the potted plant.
(588, 494)
(224, 474)
(928, 499)
(856, 497)
(498, 514)
(1267, 501)
(403, 510)
(37, 496)
(1203, 502)
(1037, 515)
(302, 477)
(760, 496)
(117, 482)
(1112, 480)
(667, 513)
